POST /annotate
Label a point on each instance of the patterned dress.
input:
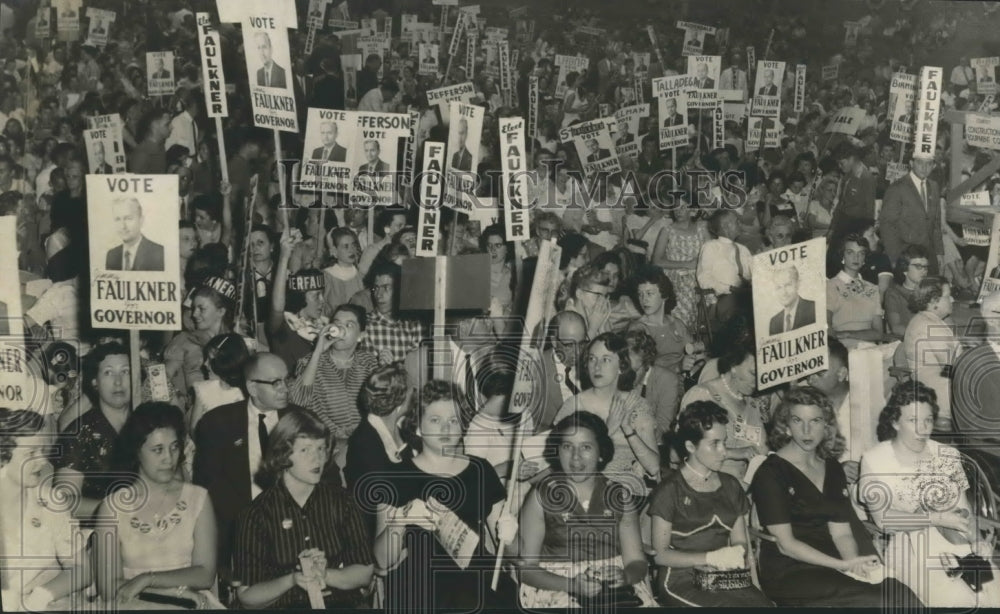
(684, 245)
(934, 484)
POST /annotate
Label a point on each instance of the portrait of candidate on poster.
(329, 136)
(134, 261)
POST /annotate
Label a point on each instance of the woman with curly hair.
(854, 306)
(612, 396)
(431, 494)
(802, 500)
(303, 533)
(929, 343)
(897, 475)
(569, 549)
(699, 515)
(656, 299)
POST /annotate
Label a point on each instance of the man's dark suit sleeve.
(889, 220)
(937, 237)
(202, 453)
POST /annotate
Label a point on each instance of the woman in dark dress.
(579, 532)
(698, 515)
(802, 499)
(438, 497)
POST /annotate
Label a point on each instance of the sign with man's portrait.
(100, 25)
(265, 41)
(160, 73)
(329, 135)
(986, 77)
(594, 146)
(428, 63)
(766, 101)
(789, 302)
(462, 159)
(134, 257)
(706, 70)
(105, 145)
(373, 156)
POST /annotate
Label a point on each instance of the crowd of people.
(305, 445)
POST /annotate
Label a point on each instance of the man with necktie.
(911, 213)
(136, 252)
(269, 74)
(330, 151)
(796, 312)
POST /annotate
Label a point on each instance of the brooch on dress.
(238, 443)
(286, 524)
(687, 500)
(791, 491)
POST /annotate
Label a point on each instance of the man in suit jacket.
(704, 81)
(596, 153)
(228, 449)
(461, 160)
(101, 167)
(269, 74)
(160, 71)
(136, 252)
(769, 88)
(561, 365)
(374, 165)
(796, 311)
(330, 151)
(670, 115)
(911, 214)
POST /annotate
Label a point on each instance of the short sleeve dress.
(471, 495)
(784, 495)
(853, 303)
(700, 522)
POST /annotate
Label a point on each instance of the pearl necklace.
(730, 390)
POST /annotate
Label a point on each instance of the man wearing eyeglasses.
(564, 347)
(230, 442)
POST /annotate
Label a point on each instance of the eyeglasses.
(275, 383)
(919, 267)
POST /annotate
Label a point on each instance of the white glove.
(37, 600)
(507, 528)
(730, 557)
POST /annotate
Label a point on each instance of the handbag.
(712, 580)
(617, 597)
(974, 571)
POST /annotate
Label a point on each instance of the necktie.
(267, 77)
(569, 383)
(788, 322)
(128, 261)
(923, 194)
(262, 433)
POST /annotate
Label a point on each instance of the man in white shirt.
(962, 75)
(380, 99)
(183, 128)
(724, 266)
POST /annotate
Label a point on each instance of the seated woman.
(854, 306)
(732, 390)
(614, 399)
(86, 445)
(423, 488)
(302, 534)
(568, 550)
(801, 497)
(166, 544)
(929, 343)
(41, 571)
(655, 383)
(911, 269)
(907, 465)
(655, 296)
(698, 515)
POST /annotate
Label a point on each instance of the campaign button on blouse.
(286, 524)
